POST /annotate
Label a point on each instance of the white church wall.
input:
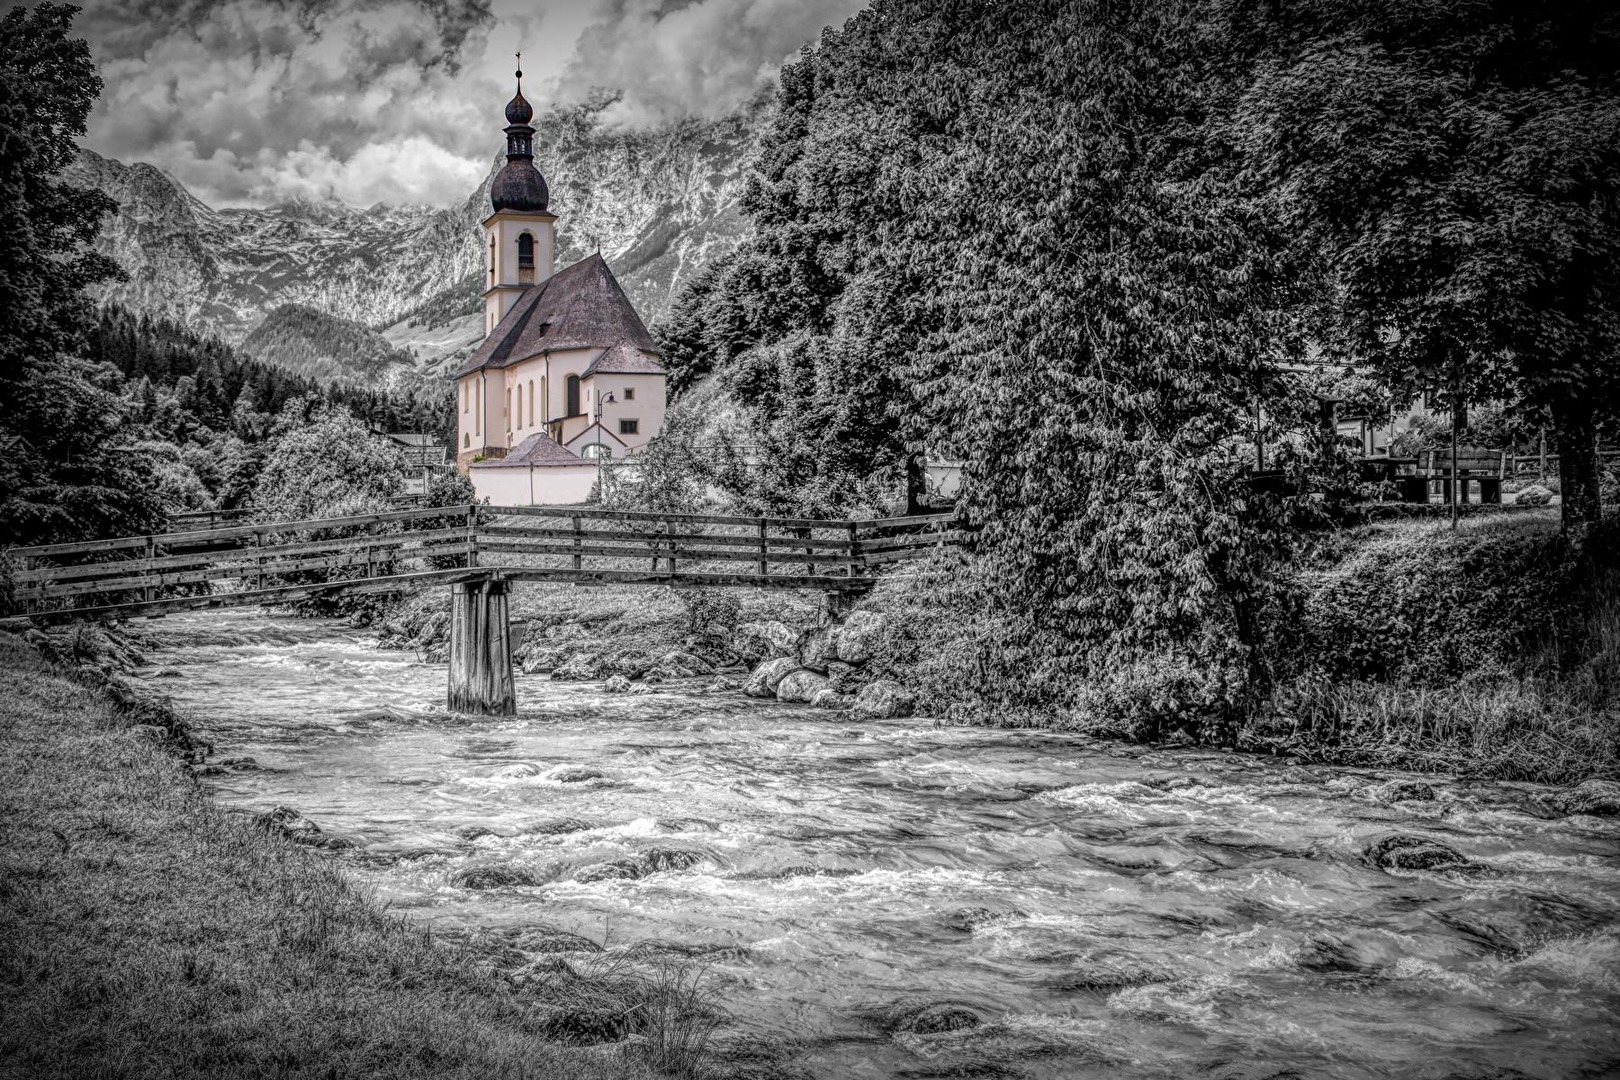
(534, 485)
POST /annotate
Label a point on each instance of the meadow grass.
(148, 932)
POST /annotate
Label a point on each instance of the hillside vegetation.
(323, 346)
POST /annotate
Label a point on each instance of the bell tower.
(520, 237)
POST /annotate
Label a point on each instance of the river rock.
(579, 668)
(492, 877)
(681, 665)
(1403, 851)
(818, 647)
(577, 775)
(517, 771)
(721, 685)
(616, 684)
(919, 1016)
(828, 698)
(859, 636)
(1597, 797)
(548, 940)
(967, 920)
(801, 686)
(768, 676)
(884, 699)
(765, 640)
(285, 821)
(1534, 495)
(1404, 791)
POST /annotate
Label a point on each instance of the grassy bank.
(147, 932)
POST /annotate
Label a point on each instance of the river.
(1102, 909)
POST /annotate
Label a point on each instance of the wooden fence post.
(854, 550)
(764, 565)
(150, 592)
(472, 536)
(481, 649)
(578, 539)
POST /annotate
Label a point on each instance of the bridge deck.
(275, 562)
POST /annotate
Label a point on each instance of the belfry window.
(571, 396)
(526, 259)
(492, 259)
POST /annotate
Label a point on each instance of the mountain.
(657, 202)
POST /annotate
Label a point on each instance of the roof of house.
(595, 433)
(581, 307)
(625, 359)
(537, 449)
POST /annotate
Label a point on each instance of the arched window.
(519, 423)
(525, 259)
(531, 403)
(571, 396)
(492, 258)
(506, 409)
(466, 441)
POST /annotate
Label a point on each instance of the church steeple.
(519, 185)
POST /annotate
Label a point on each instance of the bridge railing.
(168, 570)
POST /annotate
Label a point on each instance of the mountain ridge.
(657, 202)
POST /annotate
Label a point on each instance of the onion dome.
(519, 185)
(518, 110)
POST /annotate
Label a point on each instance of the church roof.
(581, 307)
(625, 359)
(537, 449)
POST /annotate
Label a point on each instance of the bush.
(1415, 600)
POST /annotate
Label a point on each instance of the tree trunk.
(1578, 480)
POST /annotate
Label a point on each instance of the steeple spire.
(519, 186)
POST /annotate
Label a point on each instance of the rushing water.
(1141, 913)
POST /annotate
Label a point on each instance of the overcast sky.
(252, 102)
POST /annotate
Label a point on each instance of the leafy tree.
(328, 465)
(63, 474)
(1456, 167)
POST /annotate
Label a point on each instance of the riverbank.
(151, 933)
(1485, 651)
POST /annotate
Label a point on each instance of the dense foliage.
(1456, 168)
(63, 471)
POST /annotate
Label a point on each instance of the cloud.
(702, 58)
(251, 102)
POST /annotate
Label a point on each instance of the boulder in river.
(517, 770)
(1404, 791)
(858, 637)
(285, 821)
(884, 699)
(492, 877)
(801, 686)
(1404, 851)
(920, 1016)
(967, 920)
(577, 775)
(616, 684)
(1597, 797)
(768, 676)
(828, 698)
(579, 668)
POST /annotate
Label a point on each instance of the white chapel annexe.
(567, 373)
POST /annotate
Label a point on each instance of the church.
(567, 373)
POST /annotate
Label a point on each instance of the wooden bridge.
(477, 550)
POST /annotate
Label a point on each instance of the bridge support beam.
(481, 649)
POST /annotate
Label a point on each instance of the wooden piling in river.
(481, 649)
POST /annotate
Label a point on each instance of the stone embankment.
(828, 665)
